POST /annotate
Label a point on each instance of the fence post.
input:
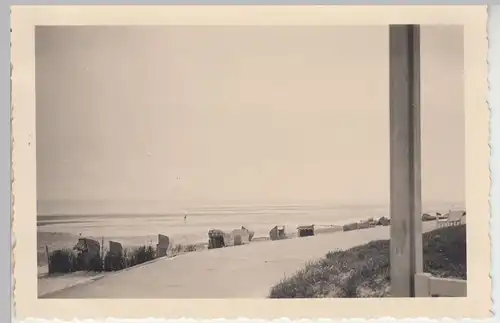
(48, 257)
(102, 252)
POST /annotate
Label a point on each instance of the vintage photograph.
(250, 161)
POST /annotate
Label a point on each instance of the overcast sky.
(166, 117)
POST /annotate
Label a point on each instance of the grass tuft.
(62, 261)
(67, 261)
(179, 249)
(140, 255)
(364, 271)
(190, 248)
(114, 261)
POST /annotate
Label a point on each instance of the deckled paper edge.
(282, 320)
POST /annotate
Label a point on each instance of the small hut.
(216, 239)
(305, 230)
(277, 233)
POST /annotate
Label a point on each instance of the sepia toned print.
(247, 163)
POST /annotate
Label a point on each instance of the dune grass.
(66, 260)
(62, 261)
(364, 271)
(190, 247)
(114, 261)
(94, 264)
(179, 249)
(140, 255)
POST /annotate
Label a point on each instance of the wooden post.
(102, 247)
(48, 259)
(405, 191)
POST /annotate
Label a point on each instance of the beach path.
(246, 271)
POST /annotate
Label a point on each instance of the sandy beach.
(57, 232)
(239, 272)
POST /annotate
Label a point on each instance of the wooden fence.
(427, 285)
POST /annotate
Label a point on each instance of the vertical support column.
(406, 224)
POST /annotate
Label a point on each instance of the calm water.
(138, 229)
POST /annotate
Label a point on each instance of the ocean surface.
(60, 231)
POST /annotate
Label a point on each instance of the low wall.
(427, 285)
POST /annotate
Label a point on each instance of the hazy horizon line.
(198, 210)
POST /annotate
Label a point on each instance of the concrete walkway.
(237, 272)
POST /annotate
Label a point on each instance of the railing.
(428, 286)
(441, 223)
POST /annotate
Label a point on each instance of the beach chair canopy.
(278, 232)
(305, 230)
(250, 232)
(87, 245)
(306, 227)
(278, 228)
(215, 233)
(115, 247)
(163, 241)
(216, 239)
